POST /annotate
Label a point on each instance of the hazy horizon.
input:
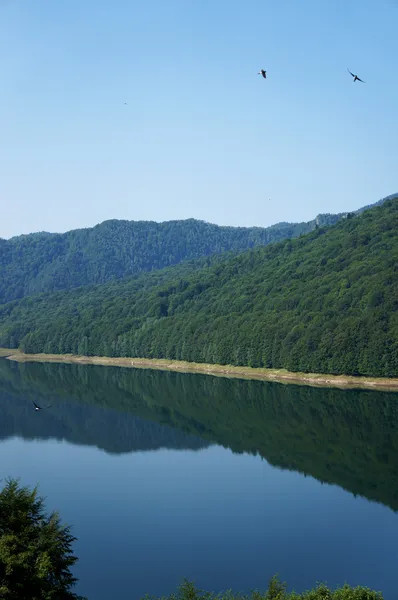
(154, 111)
(173, 220)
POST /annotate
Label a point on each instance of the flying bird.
(37, 407)
(263, 73)
(356, 78)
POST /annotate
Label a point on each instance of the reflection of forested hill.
(108, 429)
(349, 438)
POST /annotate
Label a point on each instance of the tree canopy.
(276, 591)
(35, 548)
(325, 302)
(43, 262)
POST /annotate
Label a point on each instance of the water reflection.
(195, 509)
(344, 437)
(113, 431)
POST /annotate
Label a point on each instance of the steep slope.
(326, 302)
(116, 249)
(40, 262)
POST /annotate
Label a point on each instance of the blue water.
(147, 519)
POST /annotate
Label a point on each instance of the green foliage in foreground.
(35, 549)
(276, 591)
(325, 303)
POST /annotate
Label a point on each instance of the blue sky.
(202, 134)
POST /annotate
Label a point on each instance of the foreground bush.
(276, 591)
(35, 549)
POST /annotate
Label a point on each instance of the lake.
(225, 482)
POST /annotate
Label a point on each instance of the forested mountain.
(42, 262)
(346, 438)
(326, 302)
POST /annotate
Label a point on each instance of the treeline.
(276, 591)
(43, 262)
(326, 302)
(348, 438)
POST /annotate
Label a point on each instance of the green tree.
(35, 548)
(277, 591)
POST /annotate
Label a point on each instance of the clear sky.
(202, 135)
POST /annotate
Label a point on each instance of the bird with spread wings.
(37, 407)
(356, 78)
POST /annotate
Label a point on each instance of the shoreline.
(275, 375)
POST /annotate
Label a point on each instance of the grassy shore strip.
(7, 352)
(278, 375)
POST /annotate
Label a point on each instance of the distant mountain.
(43, 262)
(35, 235)
(326, 302)
(378, 203)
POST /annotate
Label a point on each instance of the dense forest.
(346, 438)
(325, 302)
(43, 262)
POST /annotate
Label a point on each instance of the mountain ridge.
(324, 303)
(318, 216)
(40, 262)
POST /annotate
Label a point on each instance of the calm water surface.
(225, 482)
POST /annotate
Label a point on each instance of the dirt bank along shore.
(278, 375)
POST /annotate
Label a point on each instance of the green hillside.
(326, 302)
(44, 262)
